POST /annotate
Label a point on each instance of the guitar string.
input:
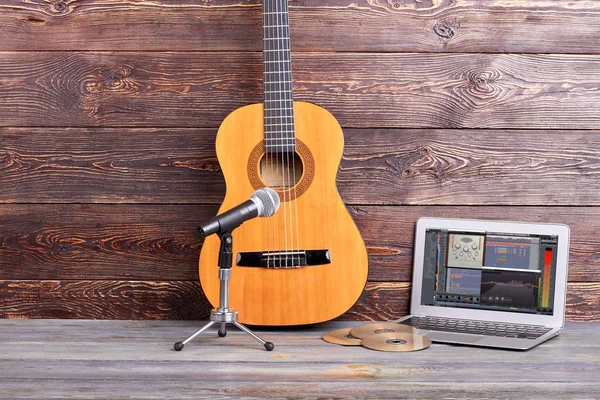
(265, 95)
(281, 104)
(295, 182)
(291, 179)
(288, 104)
(275, 112)
(267, 114)
(274, 120)
(292, 183)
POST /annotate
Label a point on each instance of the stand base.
(224, 316)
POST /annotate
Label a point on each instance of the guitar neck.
(278, 101)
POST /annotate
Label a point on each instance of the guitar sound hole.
(281, 170)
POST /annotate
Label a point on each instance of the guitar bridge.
(283, 258)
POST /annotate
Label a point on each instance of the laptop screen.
(489, 270)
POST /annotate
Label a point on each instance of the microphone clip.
(226, 250)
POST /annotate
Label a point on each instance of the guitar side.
(312, 217)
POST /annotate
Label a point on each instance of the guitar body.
(312, 216)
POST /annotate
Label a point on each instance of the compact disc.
(363, 331)
(343, 337)
(396, 341)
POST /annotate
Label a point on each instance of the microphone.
(263, 203)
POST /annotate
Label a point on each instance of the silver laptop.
(489, 283)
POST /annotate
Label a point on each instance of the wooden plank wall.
(109, 110)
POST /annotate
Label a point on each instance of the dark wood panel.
(469, 26)
(380, 166)
(381, 301)
(102, 300)
(100, 242)
(473, 166)
(361, 90)
(159, 242)
(109, 165)
(184, 300)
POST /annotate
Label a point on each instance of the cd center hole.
(396, 341)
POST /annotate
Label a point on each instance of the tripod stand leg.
(223, 329)
(179, 345)
(268, 345)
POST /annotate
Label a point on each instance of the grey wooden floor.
(134, 359)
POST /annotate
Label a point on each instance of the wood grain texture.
(313, 218)
(478, 167)
(30, 336)
(109, 165)
(335, 25)
(109, 108)
(395, 90)
(159, 242)
(183, 300)
(80, 241)
(379, 166)
(353, 386)
(114, 359)
(102, 299)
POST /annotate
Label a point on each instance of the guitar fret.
(290, 138)
(278, 101)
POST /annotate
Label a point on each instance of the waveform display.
(509, 288)
(510, 252)
(464, 281)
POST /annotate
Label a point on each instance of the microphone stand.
(223, 315)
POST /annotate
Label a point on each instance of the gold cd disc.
(343, 337)
(396, 342)
(363, 331)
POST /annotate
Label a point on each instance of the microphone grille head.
(269, 199)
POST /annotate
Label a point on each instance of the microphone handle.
(230, 219)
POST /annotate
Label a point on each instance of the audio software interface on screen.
(492, 271)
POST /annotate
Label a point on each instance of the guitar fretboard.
(278, 102)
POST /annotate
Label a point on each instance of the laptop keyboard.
(487, 328)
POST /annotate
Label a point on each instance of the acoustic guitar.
(307, 263)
